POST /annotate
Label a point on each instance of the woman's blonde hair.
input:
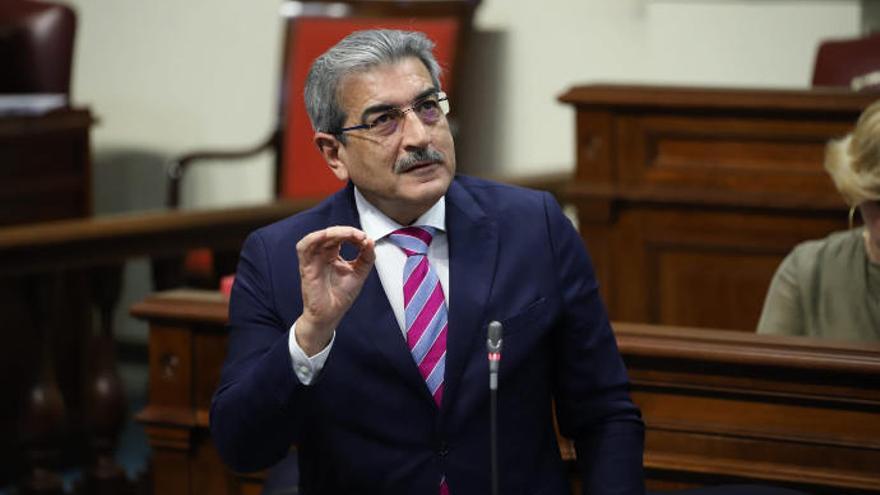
(854, 161)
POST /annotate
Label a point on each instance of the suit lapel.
(371, 321)
(473, 250)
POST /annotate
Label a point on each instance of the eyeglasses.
(430, 109)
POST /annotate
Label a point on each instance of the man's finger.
(366, 257)
(319, 242)
(308, 243)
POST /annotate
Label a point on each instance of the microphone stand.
(493, 401)
(493, 348)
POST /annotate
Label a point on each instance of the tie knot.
(413, 240)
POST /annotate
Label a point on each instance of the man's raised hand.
(330, 284)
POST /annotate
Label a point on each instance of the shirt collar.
(378, 225)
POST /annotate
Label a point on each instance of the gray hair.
(358, 52)
(854, 161)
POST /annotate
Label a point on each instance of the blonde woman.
(830, 288)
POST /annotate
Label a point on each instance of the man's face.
(404, 173)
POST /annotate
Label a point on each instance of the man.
(380, 376)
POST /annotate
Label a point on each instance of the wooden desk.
(689, 198)
(187, 348)
(726, 406)
(720, 406)
(45, 166)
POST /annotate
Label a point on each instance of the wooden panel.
(735, 284)
(206, 464)
(688, 198)
(46, 167)
(171, 368)
(595, 145)
(174, 477)
(806, 427)
(187, 349)
(726, 406)
(681, 265)
(739, 154)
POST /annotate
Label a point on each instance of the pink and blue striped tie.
(424, 306)
(425, 311)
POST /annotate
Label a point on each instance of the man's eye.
(382, 119)
(428, 105)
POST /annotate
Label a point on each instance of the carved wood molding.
(743, 348)
(829, 101)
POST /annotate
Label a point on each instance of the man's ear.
(330, 149)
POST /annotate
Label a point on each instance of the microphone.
(493, 348)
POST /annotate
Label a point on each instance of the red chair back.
(36, 46)
(301, 170)
(840, 62)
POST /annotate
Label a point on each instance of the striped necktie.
(424, 306)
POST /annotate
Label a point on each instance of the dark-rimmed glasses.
(429, 109)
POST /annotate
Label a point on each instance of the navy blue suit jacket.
(368, 423)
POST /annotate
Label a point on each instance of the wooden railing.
(64, 402)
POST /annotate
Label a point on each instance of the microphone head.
(493, 342)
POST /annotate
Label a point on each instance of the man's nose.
(415, 132)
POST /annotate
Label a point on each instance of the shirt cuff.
(307, 368)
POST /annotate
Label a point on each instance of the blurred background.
(167, 77)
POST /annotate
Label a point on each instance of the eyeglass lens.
(429, 110)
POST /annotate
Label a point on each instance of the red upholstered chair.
(853, 63)
(36, 47)
(312, 28)
(306, 174)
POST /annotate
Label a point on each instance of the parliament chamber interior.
(140, 143)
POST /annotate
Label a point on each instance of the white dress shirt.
(390, 261)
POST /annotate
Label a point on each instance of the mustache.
(417, 157)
